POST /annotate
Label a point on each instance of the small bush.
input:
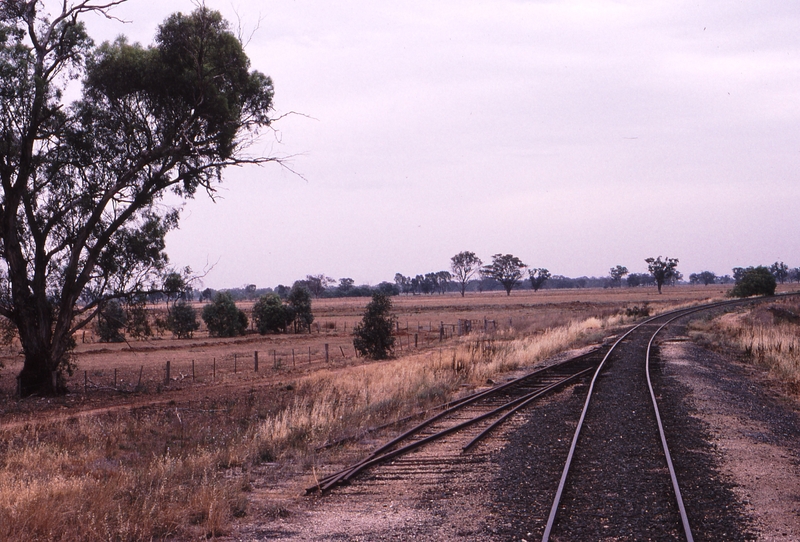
(182, 320)
(271, 314)
(755, 281)
(223, 318)
(111, 320)
(373, 337)
(300, 300)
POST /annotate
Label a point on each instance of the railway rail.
(614, 375)
(583, 483)
(473, 417)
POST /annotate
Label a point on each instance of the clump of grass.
(106, 479)
(762, 335)
(331, 405)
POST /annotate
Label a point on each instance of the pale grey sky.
(575, 135)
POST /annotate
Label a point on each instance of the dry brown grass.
(767, 334)
(181, 470)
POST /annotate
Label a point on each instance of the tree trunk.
(39, 376)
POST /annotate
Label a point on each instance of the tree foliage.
(82, 212)
(270, 314)
(373, 337)
(464, 266)
(223, 318)
(704, 277)
(300, 301)
(780, 271)
(111, 321)
(616, 274)
(662, 270)
(182, 320)
(505, 269)
(754, 281)
(538, 277)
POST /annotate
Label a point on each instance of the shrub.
(182, 320)
(138, 325)
(271, 315)
(110, 321)
(373, 337)
(754, 281)
(300, 300)
(223, 318)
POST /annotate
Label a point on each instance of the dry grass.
(181, 472)
(768, 334)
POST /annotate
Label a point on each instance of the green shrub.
(271, 315)
(111, 320)
(223, 318)
(373, 337)
(182, 320)
(754, 281)
(300, 301)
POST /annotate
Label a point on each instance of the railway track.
(460, 425)
(619, 471)
(618, 480)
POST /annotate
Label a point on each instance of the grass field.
(191, 457)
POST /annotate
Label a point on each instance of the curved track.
(612, 480)
(470, 419)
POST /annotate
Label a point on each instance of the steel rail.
(453, 429)
(522, 405)
(679, 313)
(382, 454)
(673, 476)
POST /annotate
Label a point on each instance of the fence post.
(234, 364)
(342, 351)
(192, 370)
(214, 370)
(166, 380)
(139, 384)
(115, 378)
(255, 361)
(415, 340)
(441, 331)
(327, 359)
(275, 359)
(293, 357)
(309, 354)
(85, 381)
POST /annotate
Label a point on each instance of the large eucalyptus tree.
(82, 210)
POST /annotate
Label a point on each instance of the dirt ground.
(752, 431)
(108, 373)
(758, 452)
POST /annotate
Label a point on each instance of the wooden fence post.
(293, 357)
(415, 339)
(115, 378)
(214, 370)
(234, 364)
(255, 361)
(327, 359)
(166, 380)
(85, 381)
(192, 370)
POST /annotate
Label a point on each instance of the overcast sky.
(575, 135)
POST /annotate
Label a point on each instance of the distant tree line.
(283, 308)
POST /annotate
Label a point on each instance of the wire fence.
(248, 364)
